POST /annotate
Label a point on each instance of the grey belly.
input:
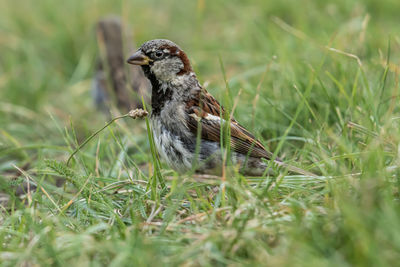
(182, 155)
(180, 152)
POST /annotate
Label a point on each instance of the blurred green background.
(331, 71)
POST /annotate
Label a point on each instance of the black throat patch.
(158, 96)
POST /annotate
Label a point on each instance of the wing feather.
(204, 110)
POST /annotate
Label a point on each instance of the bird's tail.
(294, 169)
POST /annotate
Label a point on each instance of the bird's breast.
(172, 144)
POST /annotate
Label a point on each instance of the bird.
(186, 119)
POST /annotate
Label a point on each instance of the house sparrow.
(182, 111)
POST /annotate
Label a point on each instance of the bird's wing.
(206, 112)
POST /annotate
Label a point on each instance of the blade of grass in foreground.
(156, 161)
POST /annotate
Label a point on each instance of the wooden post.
(113, 85)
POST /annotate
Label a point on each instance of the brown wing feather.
(206, 102)
(242, 141)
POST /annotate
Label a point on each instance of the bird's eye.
(159, 54)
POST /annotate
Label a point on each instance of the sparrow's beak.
(138, 58)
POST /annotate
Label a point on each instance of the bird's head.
(161, 58)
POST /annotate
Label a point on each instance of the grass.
(319, 86)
